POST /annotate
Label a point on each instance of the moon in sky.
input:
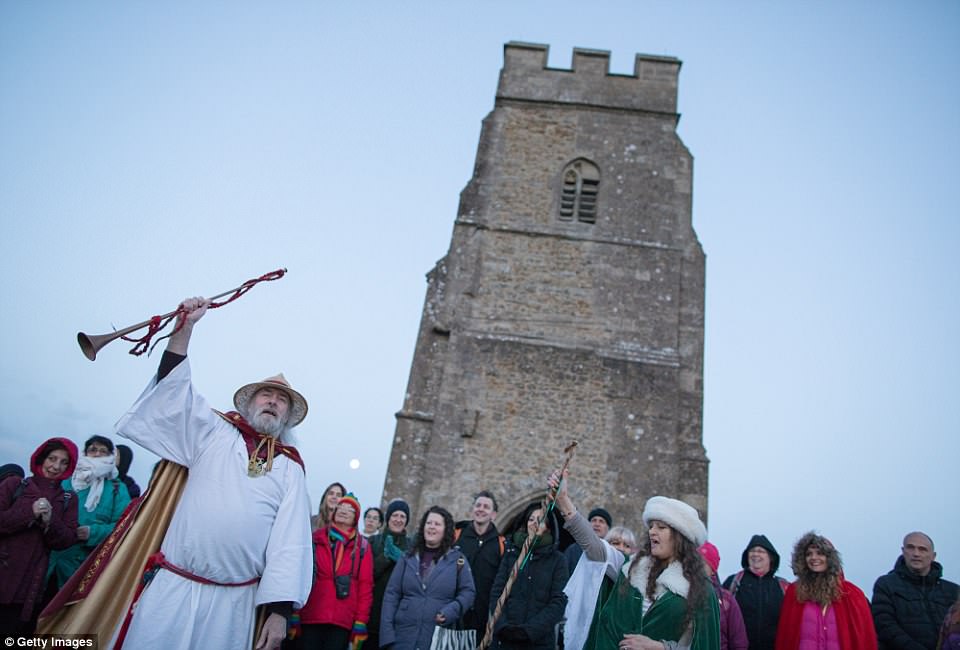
(354, 463)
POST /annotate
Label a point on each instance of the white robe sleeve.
(582, 591)
(170, 418)
(288, 568)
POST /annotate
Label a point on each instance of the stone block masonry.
(569, 304)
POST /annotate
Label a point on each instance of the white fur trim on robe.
(228, 527)
(582, 590)
(671, 579)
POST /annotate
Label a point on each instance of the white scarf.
(91, 472)
(582, 590)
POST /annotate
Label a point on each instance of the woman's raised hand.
(558, 482)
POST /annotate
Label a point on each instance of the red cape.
(854, 621)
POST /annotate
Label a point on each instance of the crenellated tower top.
(651, 88)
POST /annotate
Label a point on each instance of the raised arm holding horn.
(239, 536)
(263, 517)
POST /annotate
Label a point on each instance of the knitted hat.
(680, 516)
(601, 512)
(397, 504)
(711, 554)
(298, 405)
(351, 501)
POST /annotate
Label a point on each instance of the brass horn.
(91, 344)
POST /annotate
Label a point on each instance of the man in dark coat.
(759, 591)
(910, 602)
(483, 546)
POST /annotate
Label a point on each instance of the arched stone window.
(578, 195)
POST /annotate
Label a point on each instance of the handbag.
(451, 638)
(454, 638)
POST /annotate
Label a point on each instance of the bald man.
(909, 603)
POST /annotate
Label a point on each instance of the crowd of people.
(242, 562)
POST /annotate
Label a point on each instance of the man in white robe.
(240, 536)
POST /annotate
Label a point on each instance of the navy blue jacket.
(410, 604)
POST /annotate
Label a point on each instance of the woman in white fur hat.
(662, 597)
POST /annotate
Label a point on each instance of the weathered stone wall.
(537, 330)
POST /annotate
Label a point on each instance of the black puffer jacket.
(483, 552)
(909, 608)
(759, 597)
(536, 602)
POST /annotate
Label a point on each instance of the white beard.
(267, 424)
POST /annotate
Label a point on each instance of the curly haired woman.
(821, 610)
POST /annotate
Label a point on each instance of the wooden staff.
(545, 507)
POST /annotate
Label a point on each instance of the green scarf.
(520, 537)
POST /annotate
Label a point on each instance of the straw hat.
(298, 405)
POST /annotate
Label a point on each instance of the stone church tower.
(569, 305)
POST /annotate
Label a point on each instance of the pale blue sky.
(150, 151)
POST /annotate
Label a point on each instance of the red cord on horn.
(158, 323)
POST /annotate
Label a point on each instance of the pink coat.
(818, 630)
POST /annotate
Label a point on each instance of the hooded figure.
(759, 591)
(536, 601)
(124, 458)
(102, 498)
(36, 515)
(733, 633)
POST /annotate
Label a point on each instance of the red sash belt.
(159, 561)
